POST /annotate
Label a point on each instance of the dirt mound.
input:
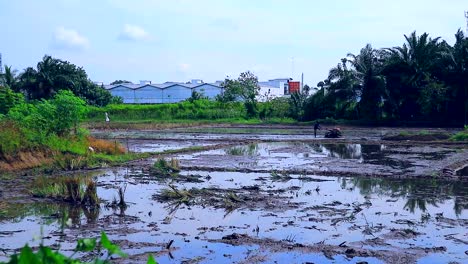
(418, 137)
(25, 160)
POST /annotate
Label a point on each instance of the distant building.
(294, 87)
(169, 92)
(146, 92)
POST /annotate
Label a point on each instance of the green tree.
(69, 111)
(119, 82)
(371, 84)
(409, 69)
(297, 103)
(53, 75)
(9, 78)
(245, 88)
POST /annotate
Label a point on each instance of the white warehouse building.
(172, 92)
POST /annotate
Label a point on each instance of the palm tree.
(28, 82)
(409, 69)
(342, 84)
(370, 81)
(9, 79)
(456, 74)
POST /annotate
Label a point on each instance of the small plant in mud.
(69, 162)
(76, 190)
(121, 202)
(461, 136)
(280, 176)
(231, 200)
(180, 196)
(45, 255)
(164, 168)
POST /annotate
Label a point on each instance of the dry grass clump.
(105, 146)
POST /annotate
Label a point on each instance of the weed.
(122, 202)
(179, 196)
(280, 176)
(70, 162)
(76, 190)
(290, 238)
(163, 168)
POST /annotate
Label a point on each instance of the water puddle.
(295, 219)
(296, 156)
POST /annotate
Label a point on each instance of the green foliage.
(8, 99)
(198, 109)
(274, 108)
(196, 96)
(164, 168)
(11, 138)
(57, 116)
(422, 80)
(245, 88)
(45, 255)
(461, 136)
(297, 103)
(76, 190)
(53, 75)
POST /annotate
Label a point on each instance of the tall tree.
(9, 78)
(370, 82)
(410, 69)
(246, 88)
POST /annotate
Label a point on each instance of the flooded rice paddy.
(294, 200)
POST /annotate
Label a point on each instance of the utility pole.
(466, 16)
(1, 65)
(302, 82)
(292, 67)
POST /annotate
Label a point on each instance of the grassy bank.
(47, 133)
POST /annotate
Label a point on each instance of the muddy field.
(263, 194)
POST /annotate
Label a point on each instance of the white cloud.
(69, 39)
(132, 32)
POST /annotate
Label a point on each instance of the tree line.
(425, 79)
(52, 75)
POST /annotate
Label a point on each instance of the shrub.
(11, 139)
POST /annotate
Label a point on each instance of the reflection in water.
(342, 151)
(61, 213)
(418, 193)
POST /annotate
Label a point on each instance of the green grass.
(461, 136)
(76, 190)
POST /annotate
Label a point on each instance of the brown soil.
(25, 160)
(395, 255)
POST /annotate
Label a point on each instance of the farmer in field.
(316, 127)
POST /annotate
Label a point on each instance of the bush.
(198, 109)
(11, 138)
(56, 116)
(461, 136)
(8, 99)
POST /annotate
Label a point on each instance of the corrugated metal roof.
(159, 86)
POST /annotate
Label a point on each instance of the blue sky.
(179, 40)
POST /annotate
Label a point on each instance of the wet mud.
(260, 197)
